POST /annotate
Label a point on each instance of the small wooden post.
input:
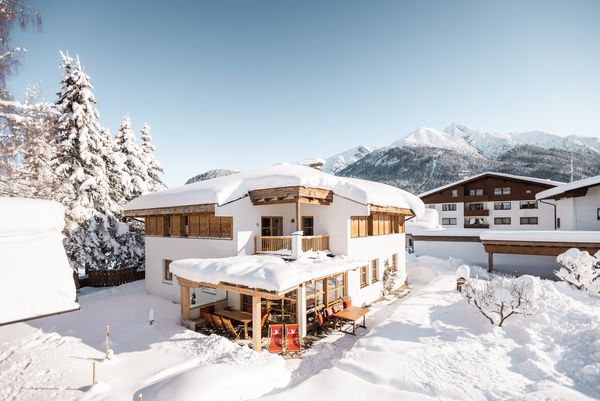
(490, 262)
(185, 302)
(93, 373)
(140, 397)
(298, 222)
(106, 347)
(256, 322)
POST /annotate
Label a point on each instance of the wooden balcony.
(477, 225)
(263, 244)
(477, 212)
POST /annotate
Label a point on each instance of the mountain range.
(428, 158)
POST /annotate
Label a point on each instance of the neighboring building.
(577, 204)
(492, 200)
(282, 210)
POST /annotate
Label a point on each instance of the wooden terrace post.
(256, 322)
(185, 302)
(490, 262)
(298, 222)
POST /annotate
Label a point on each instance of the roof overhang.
(207, 208)
(537, 247)
(274, 295)
(304, 195)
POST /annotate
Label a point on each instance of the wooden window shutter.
(227, 227)
(203, 225)
(160, 225)
(355, 232)
(363, 226)
(374, 224)
(150, 225)
(401, 226)
(215, 226)
(176, 225)
(194, 225)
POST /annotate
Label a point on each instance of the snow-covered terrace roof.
(222, 190)
(542, 236)
(491, 173)
(263, 272)
(562, 189)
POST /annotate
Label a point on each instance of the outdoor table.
(237, 315)
(353, 314)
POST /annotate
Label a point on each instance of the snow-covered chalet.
(286, 238)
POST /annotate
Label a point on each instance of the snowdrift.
(36, 277)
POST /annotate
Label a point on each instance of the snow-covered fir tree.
(134, 166)
(154, 168)
(80, 163)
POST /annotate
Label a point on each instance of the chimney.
(317, 164)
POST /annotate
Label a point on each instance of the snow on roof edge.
(544, 236)
(505, 175)
(586, 182)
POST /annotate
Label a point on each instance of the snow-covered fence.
(501, 297)
(580, 269)
(110, 278)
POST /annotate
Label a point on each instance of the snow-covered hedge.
(501, 297)
(580, 269)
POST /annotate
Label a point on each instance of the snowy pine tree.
(91, 224)
(134, 166)
(389, 279)
(155, 169)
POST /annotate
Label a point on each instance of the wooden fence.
(110, 278)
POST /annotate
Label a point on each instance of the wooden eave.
(304, 195)
(274, 295)
(537, 247)
(391, 210)
(446, 238)
(205, 208)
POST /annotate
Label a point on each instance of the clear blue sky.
(238, 84)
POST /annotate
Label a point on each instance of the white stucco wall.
(580, 213)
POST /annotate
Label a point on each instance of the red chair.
(347, 303)
(275, 338)
(336, 308)
(292, 336)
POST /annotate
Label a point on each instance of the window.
(475, 206)
(558, 222)
(280, 310)
(598, 214)
(528, 191)
(308, 225)
(455, 193)
(394, 263)
(431, 206)
(363, 276)
(449, 221)
(501, 220)
(271, 226)
(315, 296)
(374, 271)
(167, 275)
(529, 220)
(501, 205)
(502, 191)
(476, 192)
(528, 205)
(336, 288)
(448, 207)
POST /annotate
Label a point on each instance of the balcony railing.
(283, 244)
(477, 225)
(477, 212)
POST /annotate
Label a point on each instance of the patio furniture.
(353, 314)
(239, 316)
(234, 331)
(292, 336)
(218, 323)
(275, 338)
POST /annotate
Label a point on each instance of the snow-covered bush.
(501, 297)
(580, 269)
(389, 279)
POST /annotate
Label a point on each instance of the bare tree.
(501, 297)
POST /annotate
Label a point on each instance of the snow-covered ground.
(428, 345)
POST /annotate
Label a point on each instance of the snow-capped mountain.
(339, 161)
(432, 138)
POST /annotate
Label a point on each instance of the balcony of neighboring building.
(476, 222)
(476, 209)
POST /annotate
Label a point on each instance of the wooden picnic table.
(353, 314)
(237, 315)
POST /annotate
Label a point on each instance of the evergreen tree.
(134, 166)
(154, 168)
(80, 163)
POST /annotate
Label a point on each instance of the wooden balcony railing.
(263, 244)
(477, 212)
(315, 243)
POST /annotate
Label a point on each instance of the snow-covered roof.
(22, 216)
(429, 219)
(561, 189)
(491, 173)
(542, 236)
(222, 190)
(264, 272)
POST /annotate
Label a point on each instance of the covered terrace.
(261, 278)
